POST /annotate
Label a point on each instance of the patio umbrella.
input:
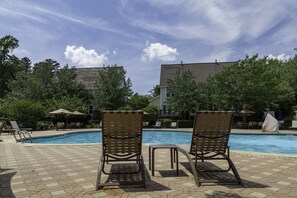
(245, 113)
(61, 112)
(77, 113)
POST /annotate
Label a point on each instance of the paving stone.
(258, 195)
(283, 183)
(99, 194)
(273, 189)
(88, 186)
(51, 184)
(292, 178)
(20, 190)
(70, 171)
(60, 192)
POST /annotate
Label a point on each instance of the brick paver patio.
(70, 171)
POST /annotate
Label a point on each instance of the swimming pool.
(283, 144)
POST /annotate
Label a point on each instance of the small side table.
(173, 155)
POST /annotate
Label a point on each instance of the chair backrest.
(1, 126)
(14, 125)
(122, 132)
(211, 131)
(173, 124)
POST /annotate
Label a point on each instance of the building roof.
(201, 71)
(88, 76)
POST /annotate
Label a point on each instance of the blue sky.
(143, 34)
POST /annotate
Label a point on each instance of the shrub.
(44, 125)
(166, 122)
(185, 123)
(26, 111)
(152, 113)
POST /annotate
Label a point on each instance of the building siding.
(201, 71)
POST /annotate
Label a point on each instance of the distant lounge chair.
(60, 125)
(121, 142)
(1, 127)
(77, 125)
(158, 124)
(2, 130)
(210, 142)
(146, 124)
(17, 129)
(173, 125)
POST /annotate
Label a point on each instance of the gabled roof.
(89, 75)
(200, 70)
(154, 98)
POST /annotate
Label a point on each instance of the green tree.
(184, 93)
(112, 88)
(152, 113)
(65, 83)
(25, 110)
(290, 72)
(8, 63)
(155, 91)
(36, 84)
(26, 86)
(45, 71)
(71, 103)
(8, 44)
(251, 83)
(139, 101)
(26, 64)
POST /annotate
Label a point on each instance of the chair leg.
(150, 158)
(100, 169)
(142, 171)
(234, 170)
(171, 158)
(192, 165)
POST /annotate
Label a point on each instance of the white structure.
(270, 124)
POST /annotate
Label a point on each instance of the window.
(168, 94)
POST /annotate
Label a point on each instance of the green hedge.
(166, 122)
(185, 123)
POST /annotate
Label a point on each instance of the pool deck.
(29, 170)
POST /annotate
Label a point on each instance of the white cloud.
(158, 51)
(214, 22)
(281, 57)
(84, 57)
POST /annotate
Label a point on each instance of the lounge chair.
(1, 127)
(158, 124)
(173, 125)
(77, 125)
(121, 142)
(17, 129)
(145, 124)
(210, 142)
(2, 130)
(60, 125)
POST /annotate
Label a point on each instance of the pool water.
(284, 144)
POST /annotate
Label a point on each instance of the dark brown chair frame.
(121, 142)
(210, 138)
